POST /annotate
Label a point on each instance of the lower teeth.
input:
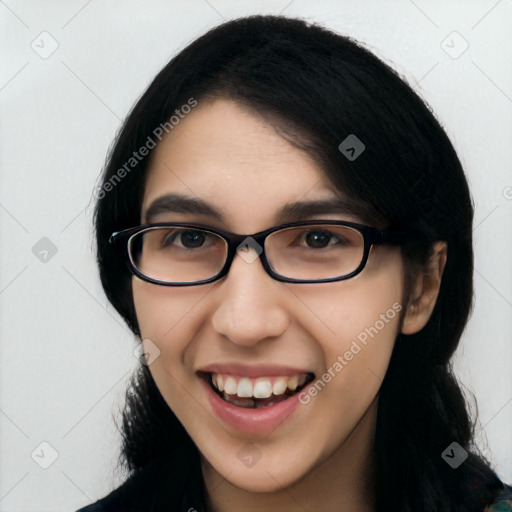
(254, 403)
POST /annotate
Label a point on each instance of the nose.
(251, 304)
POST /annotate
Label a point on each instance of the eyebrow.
(293, 211)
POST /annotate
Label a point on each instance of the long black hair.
(318, 87)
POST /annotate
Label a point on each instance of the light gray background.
(65, 355)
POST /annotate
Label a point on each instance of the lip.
(248, 420)
(253, 371)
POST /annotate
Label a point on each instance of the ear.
(424, 291)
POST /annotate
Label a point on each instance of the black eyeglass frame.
(371, 236)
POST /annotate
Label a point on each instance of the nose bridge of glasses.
(248, 247)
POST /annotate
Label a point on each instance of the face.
(249, 329)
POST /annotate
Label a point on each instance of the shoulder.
(161, 486)
(476, 487)
(501, 501)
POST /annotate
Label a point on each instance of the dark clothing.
(161, 487)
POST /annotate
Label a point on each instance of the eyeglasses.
(187, 254)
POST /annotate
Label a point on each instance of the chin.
(262, 480)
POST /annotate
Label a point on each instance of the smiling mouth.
(256, 393)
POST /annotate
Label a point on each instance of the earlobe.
(425, 291)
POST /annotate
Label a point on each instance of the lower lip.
(249, 420)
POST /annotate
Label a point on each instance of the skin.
(320, 458)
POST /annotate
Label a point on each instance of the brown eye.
(189, 239)
(318, 239)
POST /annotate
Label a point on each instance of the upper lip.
(244, 370)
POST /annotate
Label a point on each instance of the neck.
(344, 482)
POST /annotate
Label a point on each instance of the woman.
(286, 226)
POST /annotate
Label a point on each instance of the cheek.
(357, 340)
(170, 318)
(347, 309)
(166, 315)
(355, 322)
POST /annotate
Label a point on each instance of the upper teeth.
(262, 387)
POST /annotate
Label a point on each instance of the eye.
(318, 239)
(189, 239)
(322, 238)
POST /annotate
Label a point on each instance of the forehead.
(225, 155)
